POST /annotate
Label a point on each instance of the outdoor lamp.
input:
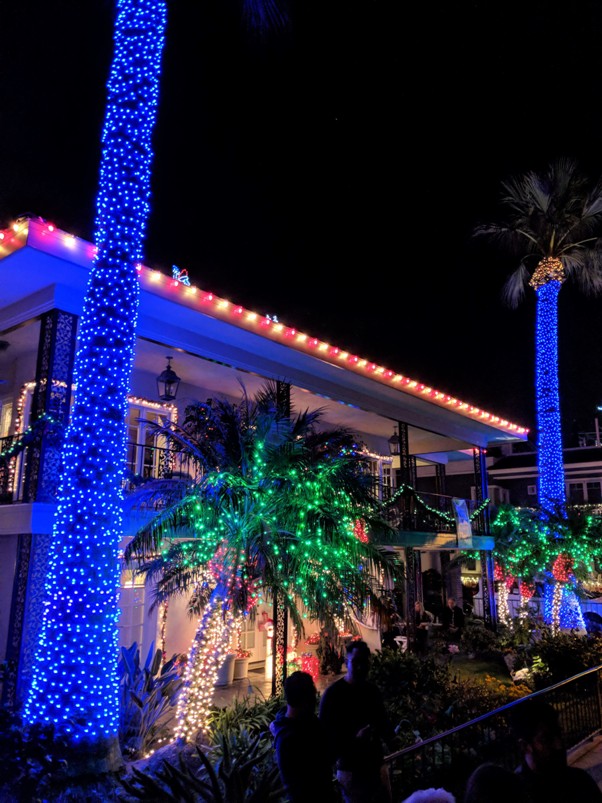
(394, 444)
(168, 382)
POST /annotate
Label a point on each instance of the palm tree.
(74, 682)
(552, 228)
(274, 511)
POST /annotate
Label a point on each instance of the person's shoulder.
(281, 728)
(333, 690)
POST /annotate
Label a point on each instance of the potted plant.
(241, 664)
(225, 674)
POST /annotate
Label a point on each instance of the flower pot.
(225, 674)
(241, 668)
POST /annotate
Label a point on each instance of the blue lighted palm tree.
(552, 229)
(74, 682)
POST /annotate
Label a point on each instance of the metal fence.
(448, 759)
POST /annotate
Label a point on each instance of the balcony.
(433, 519)
(419, 518)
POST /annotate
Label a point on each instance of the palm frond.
(556, 212)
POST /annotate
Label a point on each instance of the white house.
(215, 344)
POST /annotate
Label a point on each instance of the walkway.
(589, 757)
(256, 686)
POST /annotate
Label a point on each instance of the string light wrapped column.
(74, 682)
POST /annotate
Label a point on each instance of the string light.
(74, 683)
(160, 284)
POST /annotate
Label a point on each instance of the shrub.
(478, 639)
(557, 656)
(32, 758)
(240, 769)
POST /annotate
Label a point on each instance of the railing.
(448, 759)
(428, 513)
(409, 511)
(10, 470)
(144, 462)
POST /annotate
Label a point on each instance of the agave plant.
(148, 700)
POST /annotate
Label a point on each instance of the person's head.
(418, 606)
(536, 727)
(357, 661)
(430, 796)
(490, 783)
(300, 693)
(451, 602)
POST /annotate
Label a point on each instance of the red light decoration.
(359, 530)
(562, 568)
(527, 590)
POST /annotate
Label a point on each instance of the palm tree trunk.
(216, 631)
(74, 679)
(551, 491)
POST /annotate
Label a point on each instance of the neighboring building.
(215, 345)
(512, 475)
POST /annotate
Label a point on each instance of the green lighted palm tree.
(552, 230)
(273, 512)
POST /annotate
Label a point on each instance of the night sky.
(331, 173)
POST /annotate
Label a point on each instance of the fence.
(448, 759)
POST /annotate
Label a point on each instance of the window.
(594, 494)
(576, 493)
(498, 495)
(585, 492)
(387, 482)
(247, 633)
(146, 453)
(131, 603)
(6, 416)
(382, 474)
(532, 490)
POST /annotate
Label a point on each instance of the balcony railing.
(448, 759)
(144, 462)
(409, 511)
(412, 510)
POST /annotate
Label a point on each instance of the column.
(52, 395)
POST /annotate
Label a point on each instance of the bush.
(478, 639)
(32, 758)
(562, 655)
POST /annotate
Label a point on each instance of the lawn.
(465, 667)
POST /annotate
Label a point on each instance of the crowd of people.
(333, 748)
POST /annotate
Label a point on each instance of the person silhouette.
(303, 754)
(544, 770)
(353, 713)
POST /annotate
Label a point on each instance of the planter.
(241, 668)
(225, 674)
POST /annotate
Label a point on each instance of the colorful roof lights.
(155, 281)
